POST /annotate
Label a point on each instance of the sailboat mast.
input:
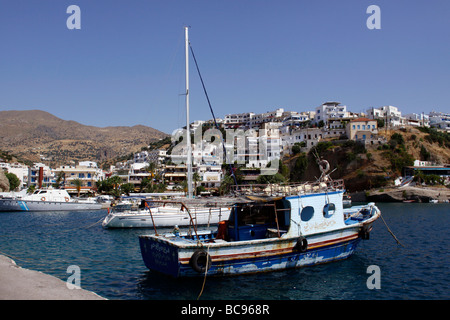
(188, 131)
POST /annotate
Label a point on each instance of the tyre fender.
(200, 261)
(301, 244)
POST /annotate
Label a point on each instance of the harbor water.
(110, 262)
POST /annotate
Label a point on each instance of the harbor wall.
(18, 283)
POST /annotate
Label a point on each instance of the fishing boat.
(271, 229)
(47, 200)
(162, 214)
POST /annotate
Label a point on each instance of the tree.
(78, 184)
(60, 178)
(296, 148)
(31, 189)
(127, 188)
(196, 178)
(299, 167)
(274, 178)
(227, 181)
(14, 182)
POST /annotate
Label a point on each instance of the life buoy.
(301, 244)
(43, 199)
(67, 199)
(200, 261)
(324, 166)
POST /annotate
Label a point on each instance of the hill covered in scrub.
(37, 135)
(366, 167)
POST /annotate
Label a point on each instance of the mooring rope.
(392, 234)
(206, 271)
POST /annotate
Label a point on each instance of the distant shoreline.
(421, 194)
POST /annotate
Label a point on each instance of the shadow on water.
(327, 281)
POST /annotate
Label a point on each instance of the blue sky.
(125, 66)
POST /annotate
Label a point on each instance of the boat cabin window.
(328, 210)
(307, 213)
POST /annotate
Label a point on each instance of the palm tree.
(60, 178)
(196, 178)
(78, 183)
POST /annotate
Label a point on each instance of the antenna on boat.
(188, 128)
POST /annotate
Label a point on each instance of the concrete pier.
(17, 283)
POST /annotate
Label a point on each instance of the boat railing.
(190, 209)
(289, 189)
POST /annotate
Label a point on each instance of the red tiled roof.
(362, 120)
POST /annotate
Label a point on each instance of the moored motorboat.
(47, 200)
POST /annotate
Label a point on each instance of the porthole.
(307, 213)
(328, 210)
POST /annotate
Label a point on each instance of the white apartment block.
(391, 115)
(156, 156)
(440, 120)
(252, 120)
(88, 175)
(328, 110)
(417, 120)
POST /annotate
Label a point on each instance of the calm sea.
(111, 264)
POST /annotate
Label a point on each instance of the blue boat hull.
(172, 266)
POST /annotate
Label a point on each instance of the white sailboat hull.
(165, 217)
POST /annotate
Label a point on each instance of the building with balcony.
(328, 110)
(88, 174)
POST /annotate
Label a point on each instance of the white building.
(20, 170)
(391, 115)
(88, 175)
(330, 109)
(417, 120)
(440, 120)
(310, 137)
(252, 120)
(210, 176)
(233, 121)
(40, 175)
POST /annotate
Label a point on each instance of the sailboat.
(170, 213)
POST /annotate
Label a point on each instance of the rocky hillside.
(35, 135)
(364, 168)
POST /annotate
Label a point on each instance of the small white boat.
(168, 214)
(47, 200)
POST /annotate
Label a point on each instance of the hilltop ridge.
(37, 135)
